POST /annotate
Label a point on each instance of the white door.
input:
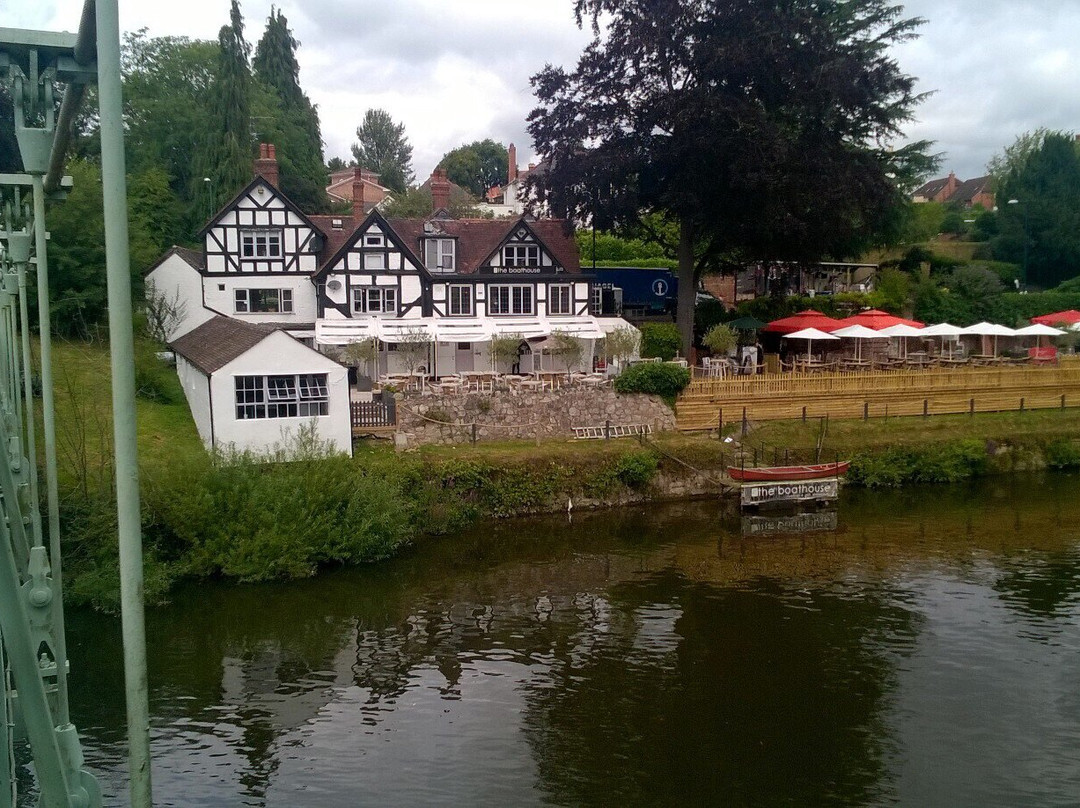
(464, 357)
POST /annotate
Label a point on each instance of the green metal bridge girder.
(33, 655)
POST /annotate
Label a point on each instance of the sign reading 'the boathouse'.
(794, 491)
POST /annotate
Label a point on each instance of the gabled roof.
(931, 188)
(251, 186)
(218, 341)
(478, 239)
(969, 189)
(194, 258)
(350, 240)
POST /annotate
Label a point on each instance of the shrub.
(720, 339)
(636, 469)
(1062, 454)
(662, 379)
(660, 339)
(937, 463)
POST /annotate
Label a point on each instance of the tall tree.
(233, 146)
(477, 166)
(381, 145)
(1013, 156)
(1041, 229)
(294, 125)
(762, 129)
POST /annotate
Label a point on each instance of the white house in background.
(509, 199)
(251, 387)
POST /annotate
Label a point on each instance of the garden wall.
(446, 419)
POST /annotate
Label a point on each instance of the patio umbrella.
(746, 324)
(942, 330)
(858, 333)
(1038, 330)
(901, 331)
(810, 334)
(985, 329)
(803, 320)
(878, 319)
(1069, 317)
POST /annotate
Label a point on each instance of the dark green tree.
(335, 164)
(232, 145)
(477, 166)
(763, 130)
(381, 146)
(1042, 227)
(294, 126)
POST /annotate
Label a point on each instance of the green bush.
(660, 378)
(936, 463)
(660, 339)
(1062, 454)
(637, 469)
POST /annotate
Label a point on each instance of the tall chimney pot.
(358, 194)
(512, 173)
(440, 190)
(266, 164)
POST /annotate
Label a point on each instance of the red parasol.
(1070, 317)
(877, 319)
(804, 319)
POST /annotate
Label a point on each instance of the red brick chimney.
(358, 194)
(266, 165)
(512, 167)
(440, 190)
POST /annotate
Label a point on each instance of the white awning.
(462, 330)
(406, 330)
(609, 324)
(580, 327)
(344, 332)
(526, 327)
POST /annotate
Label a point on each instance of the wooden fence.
(372, 416)
(874, 394)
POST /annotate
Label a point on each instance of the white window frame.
(516, 295)
(521, 255)
(459, 300)
(376, 260)
(304, 395)
(268, 239)
(374, 300)
(374, 240)
(557, 291)
(244, 300)
(440, 254)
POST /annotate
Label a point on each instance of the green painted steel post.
(7, 757)
(122, 352)
(48, 410)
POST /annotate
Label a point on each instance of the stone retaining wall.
(521, 415)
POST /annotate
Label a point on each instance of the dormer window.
(260, 243)
(521, 255)
(337, 224)
(439, 254)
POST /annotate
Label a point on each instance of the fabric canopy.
(810, 333)
(1069, 317)
(1038, 330)
(941, 330)
(985, 329)
(803, 320)
(877, 319)
(857, 331)
(746, 324)
(902, 330)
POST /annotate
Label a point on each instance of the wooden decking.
(877, 393)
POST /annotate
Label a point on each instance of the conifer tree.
(294, 124)
(233, 149)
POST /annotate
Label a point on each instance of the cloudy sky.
(455, 71)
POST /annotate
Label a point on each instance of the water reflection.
(649, 656)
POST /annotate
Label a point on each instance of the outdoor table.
(947, 362)
(549, 378)
(856, 364)
(985, 359)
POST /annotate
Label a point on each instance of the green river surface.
(920, 648)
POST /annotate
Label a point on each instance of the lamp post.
(209, 198)
(1024, 267)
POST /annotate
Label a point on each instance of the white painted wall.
(176, 279)
(278, 354)
(220, 294)
(197, 390)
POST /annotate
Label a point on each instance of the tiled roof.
(335, 239)
(218, 341)
(969, 189)
(479, 238)
(194, 258)
(933, 187)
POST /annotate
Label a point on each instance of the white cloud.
(458, 70)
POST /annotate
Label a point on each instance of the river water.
(923, 652)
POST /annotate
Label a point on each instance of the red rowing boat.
(777, 473)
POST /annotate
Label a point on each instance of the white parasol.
(943, 330)
(985, 329)
(902, 331)
(858, 333)
(810, 334)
